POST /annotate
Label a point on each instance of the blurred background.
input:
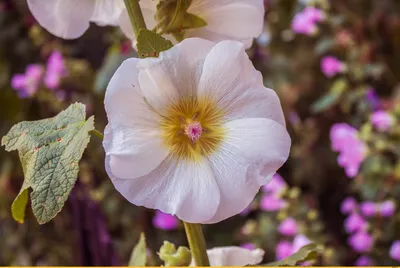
(335, 66)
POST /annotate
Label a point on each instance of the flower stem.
(135, 15)
(197, 244)
(97, 133)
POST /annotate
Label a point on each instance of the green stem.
(135, 15)
(97, 133)
(197, 244)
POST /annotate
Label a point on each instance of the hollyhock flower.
(55, 70)
(364, 261)
(352, 150)
(395, 250)
(331, 66)
(272, 203)
(165, 221)
(288, 227)
(27, 84)
(70, 19)
(348, 205)
(382, 120)
(387, 208)
(276, 186)
(368, 208)
(249, 246)
(233, 256)
(193, 133)
(300, 241)
(354, 223)
(283, 250)
(361, 242)
(234, 20)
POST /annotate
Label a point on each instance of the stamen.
(193, 130)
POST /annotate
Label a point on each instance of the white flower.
(193, 133)
(226, 20)
(234, 256)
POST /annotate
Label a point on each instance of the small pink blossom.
(55, 70)
(395, 250)
(283, 249)
(387, 208)
(354, 222)
(361, 242)
(331, 66)
(364, 261)
(368, 208)
(314, 14)
(275, 186)
(288, 227)
(305, 22)
(165, 221)
(27, 84)
(348, 205)
(249, 246)
(382, 120)
(272, 203)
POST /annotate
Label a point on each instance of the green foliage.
(331, 98)
(173, 257)
(138, 256)
(49, 150)
(150, 44)
(307, 253)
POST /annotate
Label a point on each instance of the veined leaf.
(49, 150)
(150, 44)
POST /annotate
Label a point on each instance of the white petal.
(227, 73)
(65, 19)
(185, 189)
(249, 156)
(234, 20)
(107, 12)
(132, 138)
(255, 103)
(174, 74)
(234, 256)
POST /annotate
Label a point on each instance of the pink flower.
(305, 22)
(249, 246)
(354, 223)
(352, 151)
(288, 227)
(27, 84)
(165, 221)
(348, 205)
(300, 241)
(272, 203)
(275, 186)
(314, 14)
(283, 250)
(368, 208)
(364, 261)
(395, 250)
(361, 241)
(382, 120)
(55, 70)
(387, 208)
(331, 66)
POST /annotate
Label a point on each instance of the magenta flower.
(288, 227)
(348, 205)
(55, 70)
(275, 186)
(382, 120)
(283, 250)
(165, 221)
(368, 208)
(27, 84)
(331, 66)
(395, 250)
(354, 223)
(352, 151)
(300, 241)
(249, 246)
(387, 208)
(305, 22)
(364, 261)
(314, 14)
(361, 242)
(272, 203)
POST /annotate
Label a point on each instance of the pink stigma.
(193, 130)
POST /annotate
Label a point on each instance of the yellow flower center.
(192, 128)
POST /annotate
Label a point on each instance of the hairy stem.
(135, 15)
(197, 244)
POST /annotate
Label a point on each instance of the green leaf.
(49, 150)
(331, 98)
(150, 44)
(138, 256)
(306, 253)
